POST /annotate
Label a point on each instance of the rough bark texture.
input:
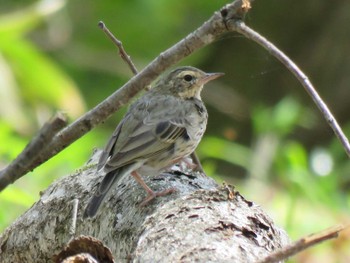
(201, 222)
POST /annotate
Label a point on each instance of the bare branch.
(302, 244)
(240, 27)
(229, 19)
(125, 56)
(24, 160)
(202, 36)
(121, 49)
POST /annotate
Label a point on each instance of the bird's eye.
(188, 78)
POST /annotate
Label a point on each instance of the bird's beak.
(210, 76)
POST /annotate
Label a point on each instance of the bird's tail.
(106, 184)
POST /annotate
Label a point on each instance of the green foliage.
(33, 88)
(214, 147)
(280, 119)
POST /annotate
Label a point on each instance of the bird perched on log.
(161, 128)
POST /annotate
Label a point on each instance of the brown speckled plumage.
(162, 127)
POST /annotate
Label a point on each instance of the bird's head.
(186, 82)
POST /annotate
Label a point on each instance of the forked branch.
(229, 19)
(202, 36)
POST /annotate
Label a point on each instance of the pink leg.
(150, 193)
(187, 161)
(191, 165)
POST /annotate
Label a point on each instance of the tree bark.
(201, 222)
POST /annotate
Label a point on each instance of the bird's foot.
(181, 165)
(188, 163)
(152, 195)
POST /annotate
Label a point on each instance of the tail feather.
(108, 181)
(96, 200)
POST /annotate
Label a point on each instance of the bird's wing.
(143, 135)
(109, 147)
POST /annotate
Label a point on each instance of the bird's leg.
(186, 162)
(197, 164)
(189, 162)
(150, 193)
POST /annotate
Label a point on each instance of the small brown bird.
(161, 128)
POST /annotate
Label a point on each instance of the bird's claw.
(152, 195)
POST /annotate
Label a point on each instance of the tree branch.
(202, 36)
(21, 164)
(120, 47)
(240, 27)
(229, 19)
(302, 244)
(201, 222)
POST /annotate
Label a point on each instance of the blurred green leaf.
(11, 143)
(286, 115)
(282, 118)
(19, 22)
(16, 196)
(213, 147)
(41, 81)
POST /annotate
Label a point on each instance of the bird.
(161, 128)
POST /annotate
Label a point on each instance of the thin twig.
(240, 27)
(302, 244)
(21, 164)
(121, 49)
(125, 56)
